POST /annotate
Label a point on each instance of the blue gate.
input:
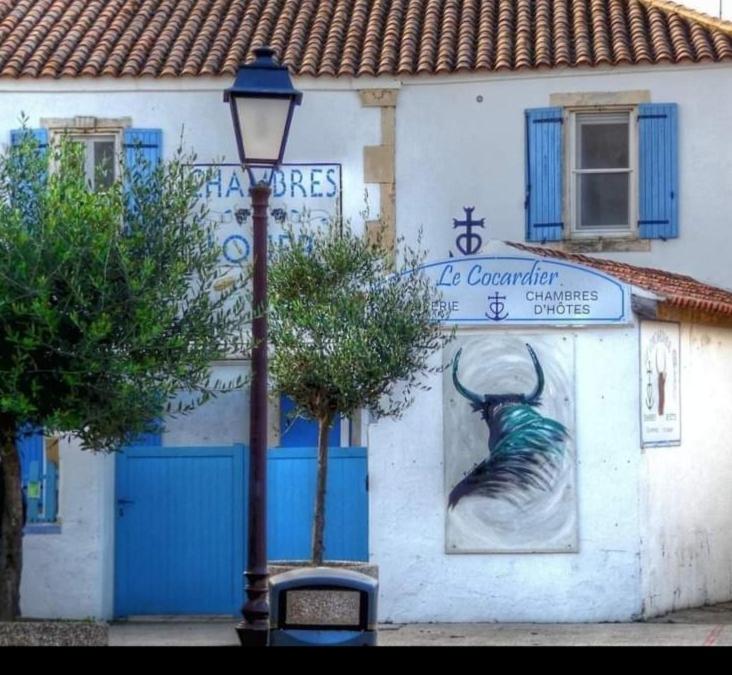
(179, 545)
(291, 474)
(181, 526)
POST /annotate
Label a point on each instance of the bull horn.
(471, 396)
(534, 396)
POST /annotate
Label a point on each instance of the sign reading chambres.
(302, 195)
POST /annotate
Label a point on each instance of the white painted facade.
(420, 582)
(68, 571)
(654, 524)
(684, 492)
(452, 150)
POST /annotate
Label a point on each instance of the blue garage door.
(179, 545)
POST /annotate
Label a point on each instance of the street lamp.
(262, 101)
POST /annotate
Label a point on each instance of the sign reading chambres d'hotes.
(303, 195)
(527, 291)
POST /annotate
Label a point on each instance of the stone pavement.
(706, 626)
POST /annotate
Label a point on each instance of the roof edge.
(691, 14)
(679, 295)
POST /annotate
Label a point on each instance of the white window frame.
(574, 117)
(87, 128)
(89, 167)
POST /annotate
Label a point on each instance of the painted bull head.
(524, 447)
(487, 403)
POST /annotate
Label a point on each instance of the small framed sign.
(660, 383)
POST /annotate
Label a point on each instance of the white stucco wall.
(329, 126)
(686, 552)
(68, 574)
(453, 151)
(71, 574)
(419, 582)
(223, 420)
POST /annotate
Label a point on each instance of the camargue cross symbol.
(468, 242)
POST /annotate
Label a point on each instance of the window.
(101, 154)
(101, 138)
(39, 464)
(601, 174)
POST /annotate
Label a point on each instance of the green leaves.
(108, 305)
(348, 330)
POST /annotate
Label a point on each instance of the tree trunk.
(11, 545)
(319, 518)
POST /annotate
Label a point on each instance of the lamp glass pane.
(263, 122)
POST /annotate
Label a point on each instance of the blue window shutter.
(33, 492)
(50, 493)
(143, 149)
(544, 191)
(658, 177)
(31, 449)
(41, 136)
(21, 194)
(150, 143)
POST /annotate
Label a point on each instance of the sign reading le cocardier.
(523, 290)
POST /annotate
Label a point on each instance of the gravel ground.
(53, 634)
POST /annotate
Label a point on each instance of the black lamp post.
(262, 101)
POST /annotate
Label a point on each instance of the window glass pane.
(603, 200)
(604, 145)
(103, 163)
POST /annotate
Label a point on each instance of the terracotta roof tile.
(676, 289)
(173, 38)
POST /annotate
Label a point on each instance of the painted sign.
(516, 290)
(660, 395)
(510, 467)
(302, 195)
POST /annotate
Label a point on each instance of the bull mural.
(523, 446)
(511, 477)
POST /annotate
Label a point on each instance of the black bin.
(322, 606)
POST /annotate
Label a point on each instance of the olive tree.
(111, 303)
(351, 328)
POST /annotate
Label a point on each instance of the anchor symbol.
(496, 306)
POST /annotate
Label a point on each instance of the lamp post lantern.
(262, 101)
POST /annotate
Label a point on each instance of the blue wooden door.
(180, 530)
(291, 474)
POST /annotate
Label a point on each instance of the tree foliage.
(108, 303)
(351, 328)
